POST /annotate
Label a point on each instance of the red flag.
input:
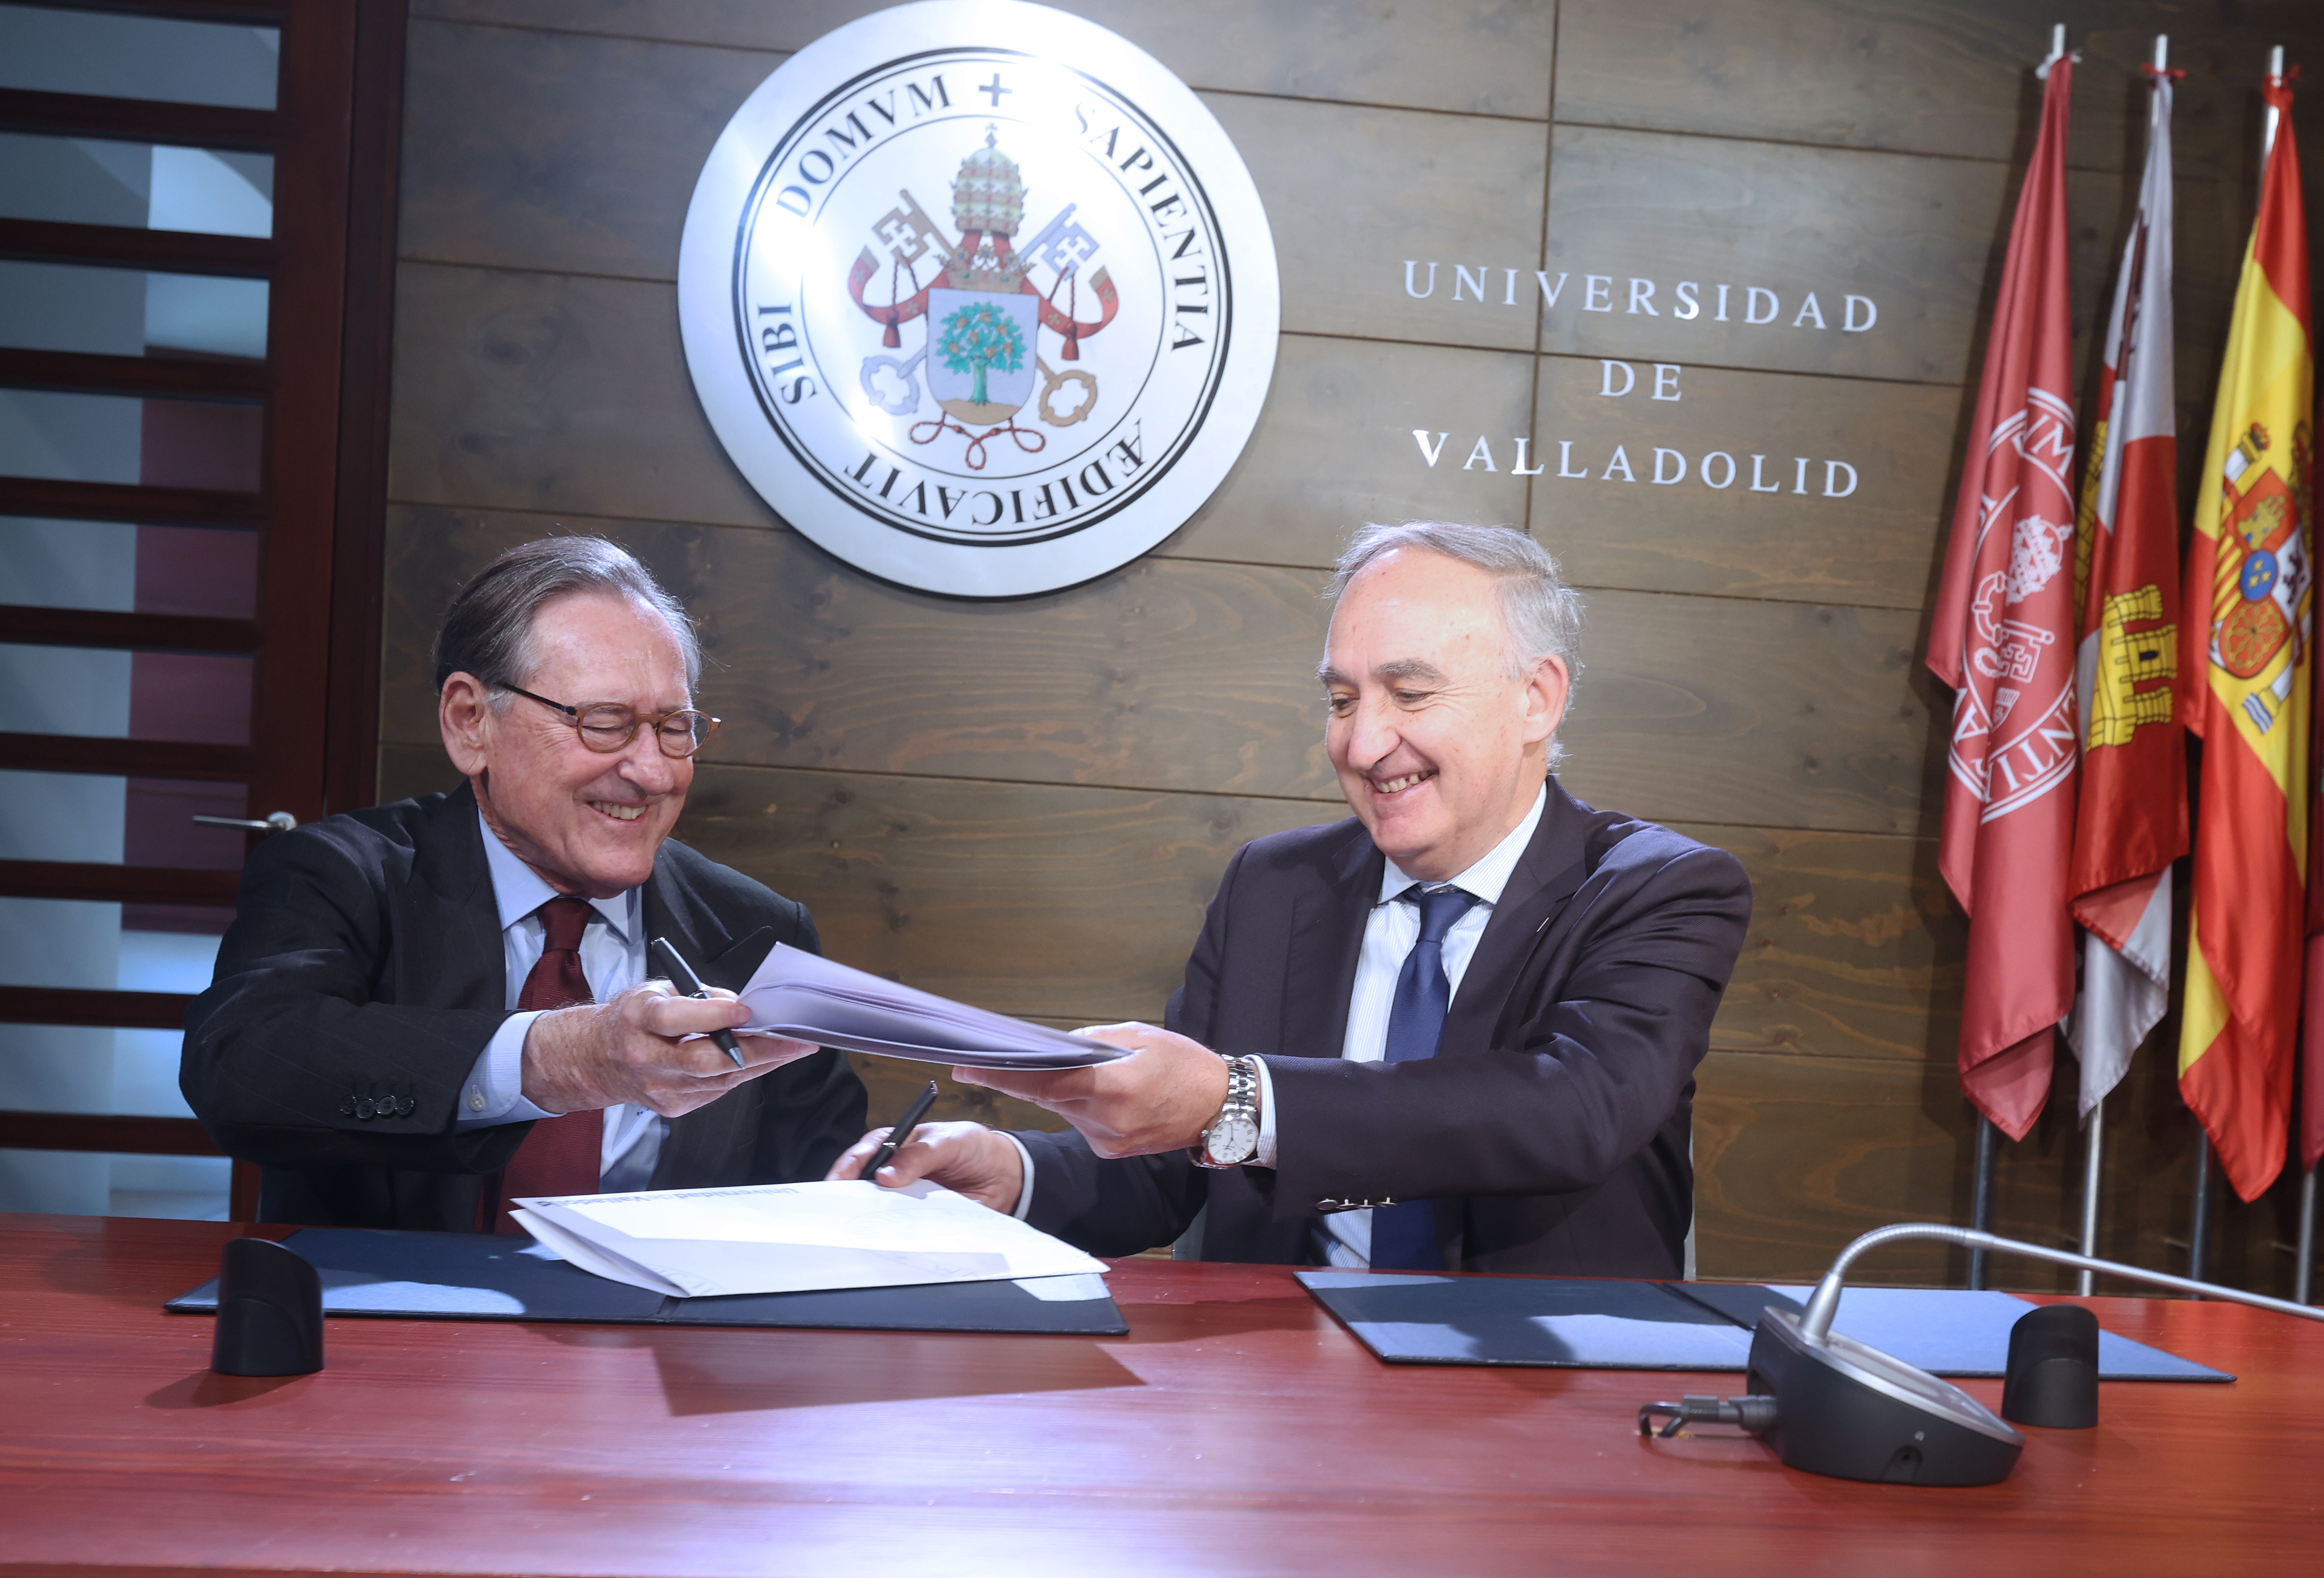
(2133, 818)
(2004, 640)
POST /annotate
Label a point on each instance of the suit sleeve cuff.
(1025, 1161)
(493, 1092)
(1265, 1155)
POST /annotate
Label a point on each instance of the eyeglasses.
(608, 726)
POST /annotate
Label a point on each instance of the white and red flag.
(2004, 640)
(2133, 818)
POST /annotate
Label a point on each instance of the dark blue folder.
(489, 1277)
(1578, 1324)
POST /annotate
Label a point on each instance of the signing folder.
(491, 1277)
(1581, 1323)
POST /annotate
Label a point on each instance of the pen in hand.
(683, 977)
(901, 1133)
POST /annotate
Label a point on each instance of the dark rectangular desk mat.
(1580, 1323)
(489, 1277)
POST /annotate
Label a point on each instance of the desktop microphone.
(1833, 1406)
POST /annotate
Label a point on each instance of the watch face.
(1232, 1139)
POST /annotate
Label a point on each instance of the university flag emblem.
(979, 297)
(2249, 575)
(2004, 640)
(2132, 822)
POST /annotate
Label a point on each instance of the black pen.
(687, 980)
(901, 1133)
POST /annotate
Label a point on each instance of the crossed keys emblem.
(983, 313)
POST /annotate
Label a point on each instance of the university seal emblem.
(979, 297)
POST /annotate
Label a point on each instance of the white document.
(810, 998)
(790, 1237)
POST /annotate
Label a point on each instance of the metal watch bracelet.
(1232, 1138)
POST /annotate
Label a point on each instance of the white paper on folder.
(791, 1238)
(810, 998)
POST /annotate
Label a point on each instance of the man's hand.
(967, 1158)
(578, 1059)
(1159, 1098)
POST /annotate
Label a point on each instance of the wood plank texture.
(553, 149)
(502, 1447)
(1878, 544)
(1945, 77)
(1795, 1155)
(1855, 947)
(1350, 192)
(1184, 676)
(1345, 49)
(1716, 710)
(1198, 676)
(1911, 234)
(1334, 449)
(552, 392)
(1026, 803)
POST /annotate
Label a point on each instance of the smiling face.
(1439, 750)
(588, 822)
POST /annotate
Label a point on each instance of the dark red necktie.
(560, 1156)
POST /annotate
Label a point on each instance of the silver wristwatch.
(1232, 1138)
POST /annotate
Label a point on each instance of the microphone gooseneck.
(1815, 1325)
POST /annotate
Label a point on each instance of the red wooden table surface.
(1236, 1429)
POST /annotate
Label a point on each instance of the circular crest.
(979, 297)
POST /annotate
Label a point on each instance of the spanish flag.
(2248, 669)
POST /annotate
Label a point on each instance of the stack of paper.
(788, 1238)
(808, 998)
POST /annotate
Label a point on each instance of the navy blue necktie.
(1404, 1235)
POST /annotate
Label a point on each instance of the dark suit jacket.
(364, 974)
(1551, 1130)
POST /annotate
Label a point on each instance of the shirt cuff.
(1264, 1156)
(1025, 1161)
(493, 1092)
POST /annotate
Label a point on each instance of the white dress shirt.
(1389, 933)
(614, 958)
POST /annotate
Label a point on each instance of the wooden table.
(1236, 1429)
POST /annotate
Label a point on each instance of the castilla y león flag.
(2133, 818)
(2004, 640)
(2249, 602)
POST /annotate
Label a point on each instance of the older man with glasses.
(427, 1009)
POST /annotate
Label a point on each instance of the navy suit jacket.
(1552, 1129)
(363, 977)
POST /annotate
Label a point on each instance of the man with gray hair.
(1458, 1032)
(426, 1010)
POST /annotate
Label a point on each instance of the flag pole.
(1980, 1199)
(2199, 1233)
(2094, 1130)
(2093, 1163)
(2199, 1228)
(2267, 126)
(2303, 1273)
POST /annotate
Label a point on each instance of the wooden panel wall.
(1027, 803)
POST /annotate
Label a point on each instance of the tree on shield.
(980, 336)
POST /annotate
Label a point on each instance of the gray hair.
(488, 631)
(1541, 615)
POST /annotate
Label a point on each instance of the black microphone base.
(1854, 1413)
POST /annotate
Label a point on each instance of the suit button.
(365, 1107)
